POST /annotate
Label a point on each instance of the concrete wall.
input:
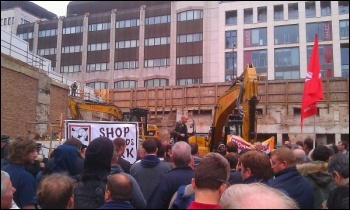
(29, 95)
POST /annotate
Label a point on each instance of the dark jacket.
(117, 205)
(124, 164)
(321, 181)
(295, 185)
(179, 129)
(253, 179)
(168, 185)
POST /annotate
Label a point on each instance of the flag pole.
(314, 131)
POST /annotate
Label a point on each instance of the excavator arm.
(241, 97)
(74, 108)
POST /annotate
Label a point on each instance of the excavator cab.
(140, 115)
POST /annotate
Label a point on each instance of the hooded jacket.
(321, 181)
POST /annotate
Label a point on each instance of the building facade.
(146, 44)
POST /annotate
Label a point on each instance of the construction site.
(33, 102)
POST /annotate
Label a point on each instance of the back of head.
(181, 153)
(54, 191)
(150, 146)
(118, 143)
(212, 172)
(340, 164)
(338, 198)
(20, 148)
(98, 156)
(321, 153)
(65, 157)
(194, 148)
(300, 155)
(308, 144)
(120, 187)
(232, 147)
(300, 143)
(232, 158)
(255, 196)
(284, 154)
(74, 142)
(161, 152)
(258, 163)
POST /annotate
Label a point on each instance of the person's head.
(257, 164)
(338, 166)
(282, 158)
(168, 149)
(321, 153)
(75, 143)
(255, 196)
(161, 152)
(338, 198)
(55, 191)
(150, 146)
(211, 173)
(119, 145)
(232, 158)
(334, 148)
(22, 151)
(141, 152)
(300, 156)
(194, 148)
(98, 157)
(308, 145)
(258, 146)
(342, 145)
(7, 191)
(232, 146)
(287, 144)
(181, 154)
(299, 143)
(184, 119)
(83, 150)
(4, 140)
(119, 187)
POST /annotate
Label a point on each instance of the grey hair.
(240, 196)
(181, 153)
(4, 176)
(300, 155)
(340, 164)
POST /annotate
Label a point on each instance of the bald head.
(181, 153)
(120, 187)
(300, 156)
(255, 196)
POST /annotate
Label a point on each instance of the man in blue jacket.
(288, 179)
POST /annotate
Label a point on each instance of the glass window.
(286, 34)
(164, 19)
(310, 9)
(255, 37)
(293, 11)
(151, 42)
(231, 37)
(157, 20)
(344, 51)
(231, 17)
(189, 15)
(198, 14)
(262, 14)
(287, 63)
(325, 8)
(343, 7)
(344, 29)
(164, 40)
(183, 16)
(258, 58)
(248, 15)
(156, 41)
(323, 29)
(278, 12)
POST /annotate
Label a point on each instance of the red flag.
(313, 91)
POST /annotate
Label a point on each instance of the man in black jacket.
(180, 132)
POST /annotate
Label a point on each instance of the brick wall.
(19, 95)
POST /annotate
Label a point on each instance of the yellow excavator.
(135, 115)
(235, 114)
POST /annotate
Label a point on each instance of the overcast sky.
(57, 7)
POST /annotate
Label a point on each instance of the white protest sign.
(87, 131)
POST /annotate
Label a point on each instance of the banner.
(268, 145)
(87, 131)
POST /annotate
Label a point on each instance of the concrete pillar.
(279, 139)
(337, 138)
(173, 23)
(141, 68)
(36, 37)
(84, 49)
(112, 49)
(42, 112)
(59, 44)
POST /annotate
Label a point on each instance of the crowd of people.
(174, 176)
